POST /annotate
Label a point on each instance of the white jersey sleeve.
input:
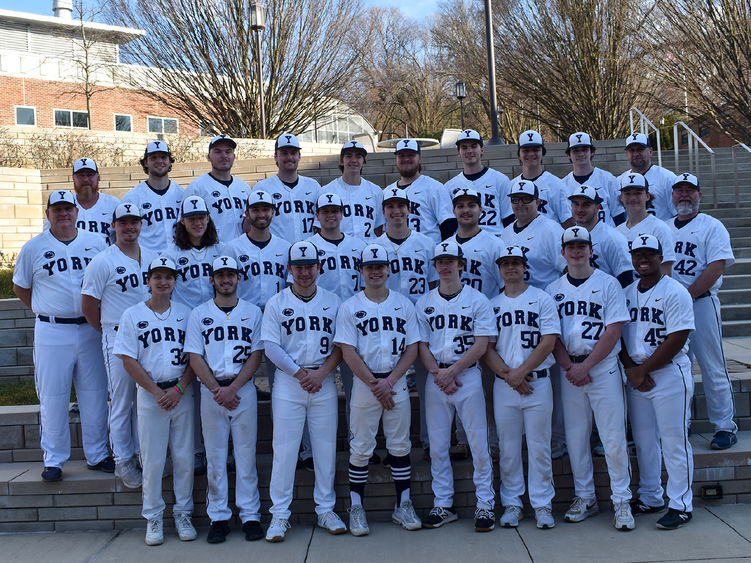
(159, 213)
(610, 250)
(295, 208)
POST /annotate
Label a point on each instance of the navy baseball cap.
(84, 164)
(407, 145)
(469, 135)
(303, 253)
(194, 205)
(512, 252)
(686, 178)
(222, 138)
(575, 234)
(162, 262)
(374, 255)
(223, 263)
(125, 210)
(644, 241)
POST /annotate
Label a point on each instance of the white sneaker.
(511, 516)
(623, 519)
(185, 529)
(406, 516)
(154, 532)
(581, 509)
(129, 474)
(330, 522)
(358, 524)
(277, 529)
(544, 518)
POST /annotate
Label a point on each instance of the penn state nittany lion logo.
(243, 258)
(143, 324)
(429, 310)
(146, 205)
(288, 312)
(120, 270)
(207, 321)
(559, 297)
(182, 261)
(360, 314)
(215, 193)
(277, 195)
(49, 254)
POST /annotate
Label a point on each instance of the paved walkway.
(716, 533)
(738, 348)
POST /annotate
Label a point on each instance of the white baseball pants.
(123, 418)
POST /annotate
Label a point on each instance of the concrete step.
(741, 266)
(742, 252)
(735, 296)
(731, 282)
(736, 312)
(735, 328)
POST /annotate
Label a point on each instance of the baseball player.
(660, 384)
(298, 332)
(225, 347)
(455, 323)
(581, 153)
(527, 326)
(592, 311)
(702, 252)
(660, 180)
(47, 279)
(157, 197)
(552, 191)
(635, 196)
(411, 273)
(361, 199)
(430, 205)
(609, 247)
(114, 281)
(377, 332)
(492, 186)
(225, 195)
(294, 196)
(150, 343)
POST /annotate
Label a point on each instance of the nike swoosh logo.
(244, 318)
(465, 306)
(308, 193)
(397, 308)
(488, 187)
(659, 299)
(415, 193)
(87, 249)
(595, 291)
(105, 213)
(477, 250)
(178, 320)
(326, 308)
(531, 302)
(279, 253)
(368, 198)
(530, 238)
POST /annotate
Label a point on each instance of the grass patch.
(22, 393)
(6, 283)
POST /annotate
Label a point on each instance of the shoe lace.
(621, 510)
(544, 511)
(282, 523)
(357, 513)
(439, 511)
(484, 513)
(182, 521)
(153, 526)
(513, 509)
(330, 520)
(579, 505)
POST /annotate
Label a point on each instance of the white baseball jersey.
(698, 243)
(610, 250)
(450, 327)
(155, 343)
(586, 311)
(225, 340)
(411, 264)
(521, 322)
(651, 225)
(554, 201)
(493, 187)
(663, 309)
(340, 265)
(226, 203)
(660, 181)
(541, 242)
(54, 271)
(159, 213)
(607, 187)
(97, 218)
(264, 270)
(118, 281)
(379, 332)
(305, 330)
(430, 205)
(193, 271)
(481, 271)
(363, 207)
(295, 208)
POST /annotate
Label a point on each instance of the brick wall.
(21, 208)
(16, 341)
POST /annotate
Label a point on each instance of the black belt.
(539, 374)
(703, 295)
(445, 366)
(225, 382)
(383, 375)
(312, 367)
(167, 384)
(578, 359)
(62, 320)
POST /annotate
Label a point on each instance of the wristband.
(180, 389)
(389, 382)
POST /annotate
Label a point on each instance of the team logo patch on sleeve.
(49, 254)
(143, 324)
(243, 258)
(288, 312)
(429, 310)
(208, 321)
(215, 194)
(277, 195)
(321, 253)
(182, 261)
(146, 205)
(559, 297)
(120, 269)
(360, 314)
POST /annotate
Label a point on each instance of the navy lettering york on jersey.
(298, 206)
(94, 227)
(451, 321)
(222, 204)
(265, 267)
(302, 324)
(61, 264)
(647, 315)
(194, 271)
(685, 248)
(359, 210)
(232, 333)
(385, 323)
(345, 263)
(158, 216)
(131, 280)
(156, 335)
(518, 317)
(407, 264)
(584, 308)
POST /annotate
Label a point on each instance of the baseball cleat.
(623, 519)
(154, 532)
(218, 531)
(406, 516)
(639, 507)
(185, 529)
(484, 520)
(581, 509)
(459, 452)
(511, 516)
(358, 524)
(723, 440)
(52, 474)
(544, 517)
(277, 529)
(107, 465)
(252, 530)
(330, 522)
(439, 516)
(673, 520)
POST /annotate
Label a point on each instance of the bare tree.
(705, 53)
(199, 59)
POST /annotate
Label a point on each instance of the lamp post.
(495, 138)
(257, 24)
(461, 93)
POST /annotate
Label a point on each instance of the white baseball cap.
(84, 164)
(575, 234)
(530, 138)
(447, 249)
(223, 263)
(222, 138)
(469, 135)
(587, 192)
(162, 262)
(638, 139)
(512, 252)
(156, 146)
(373, 255)
(579, 139)
(686, 178)
(634, 180)
(259, 197)
(125, 210)
(407, 145)
(61, 196)
(649, 242)
(302, 253)
(394, 193)
(287, 140)
(465, 192)
(524, 187)
(194, 205)
(354, 145)
(329, 200)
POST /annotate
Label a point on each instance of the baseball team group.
(563, 314)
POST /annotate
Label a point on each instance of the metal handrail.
(644, 125)
(694, 142)
(735, 168)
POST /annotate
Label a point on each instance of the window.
(162, 125)
(703, 130)
(26, 116)
(123, 122)
(71, 118)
